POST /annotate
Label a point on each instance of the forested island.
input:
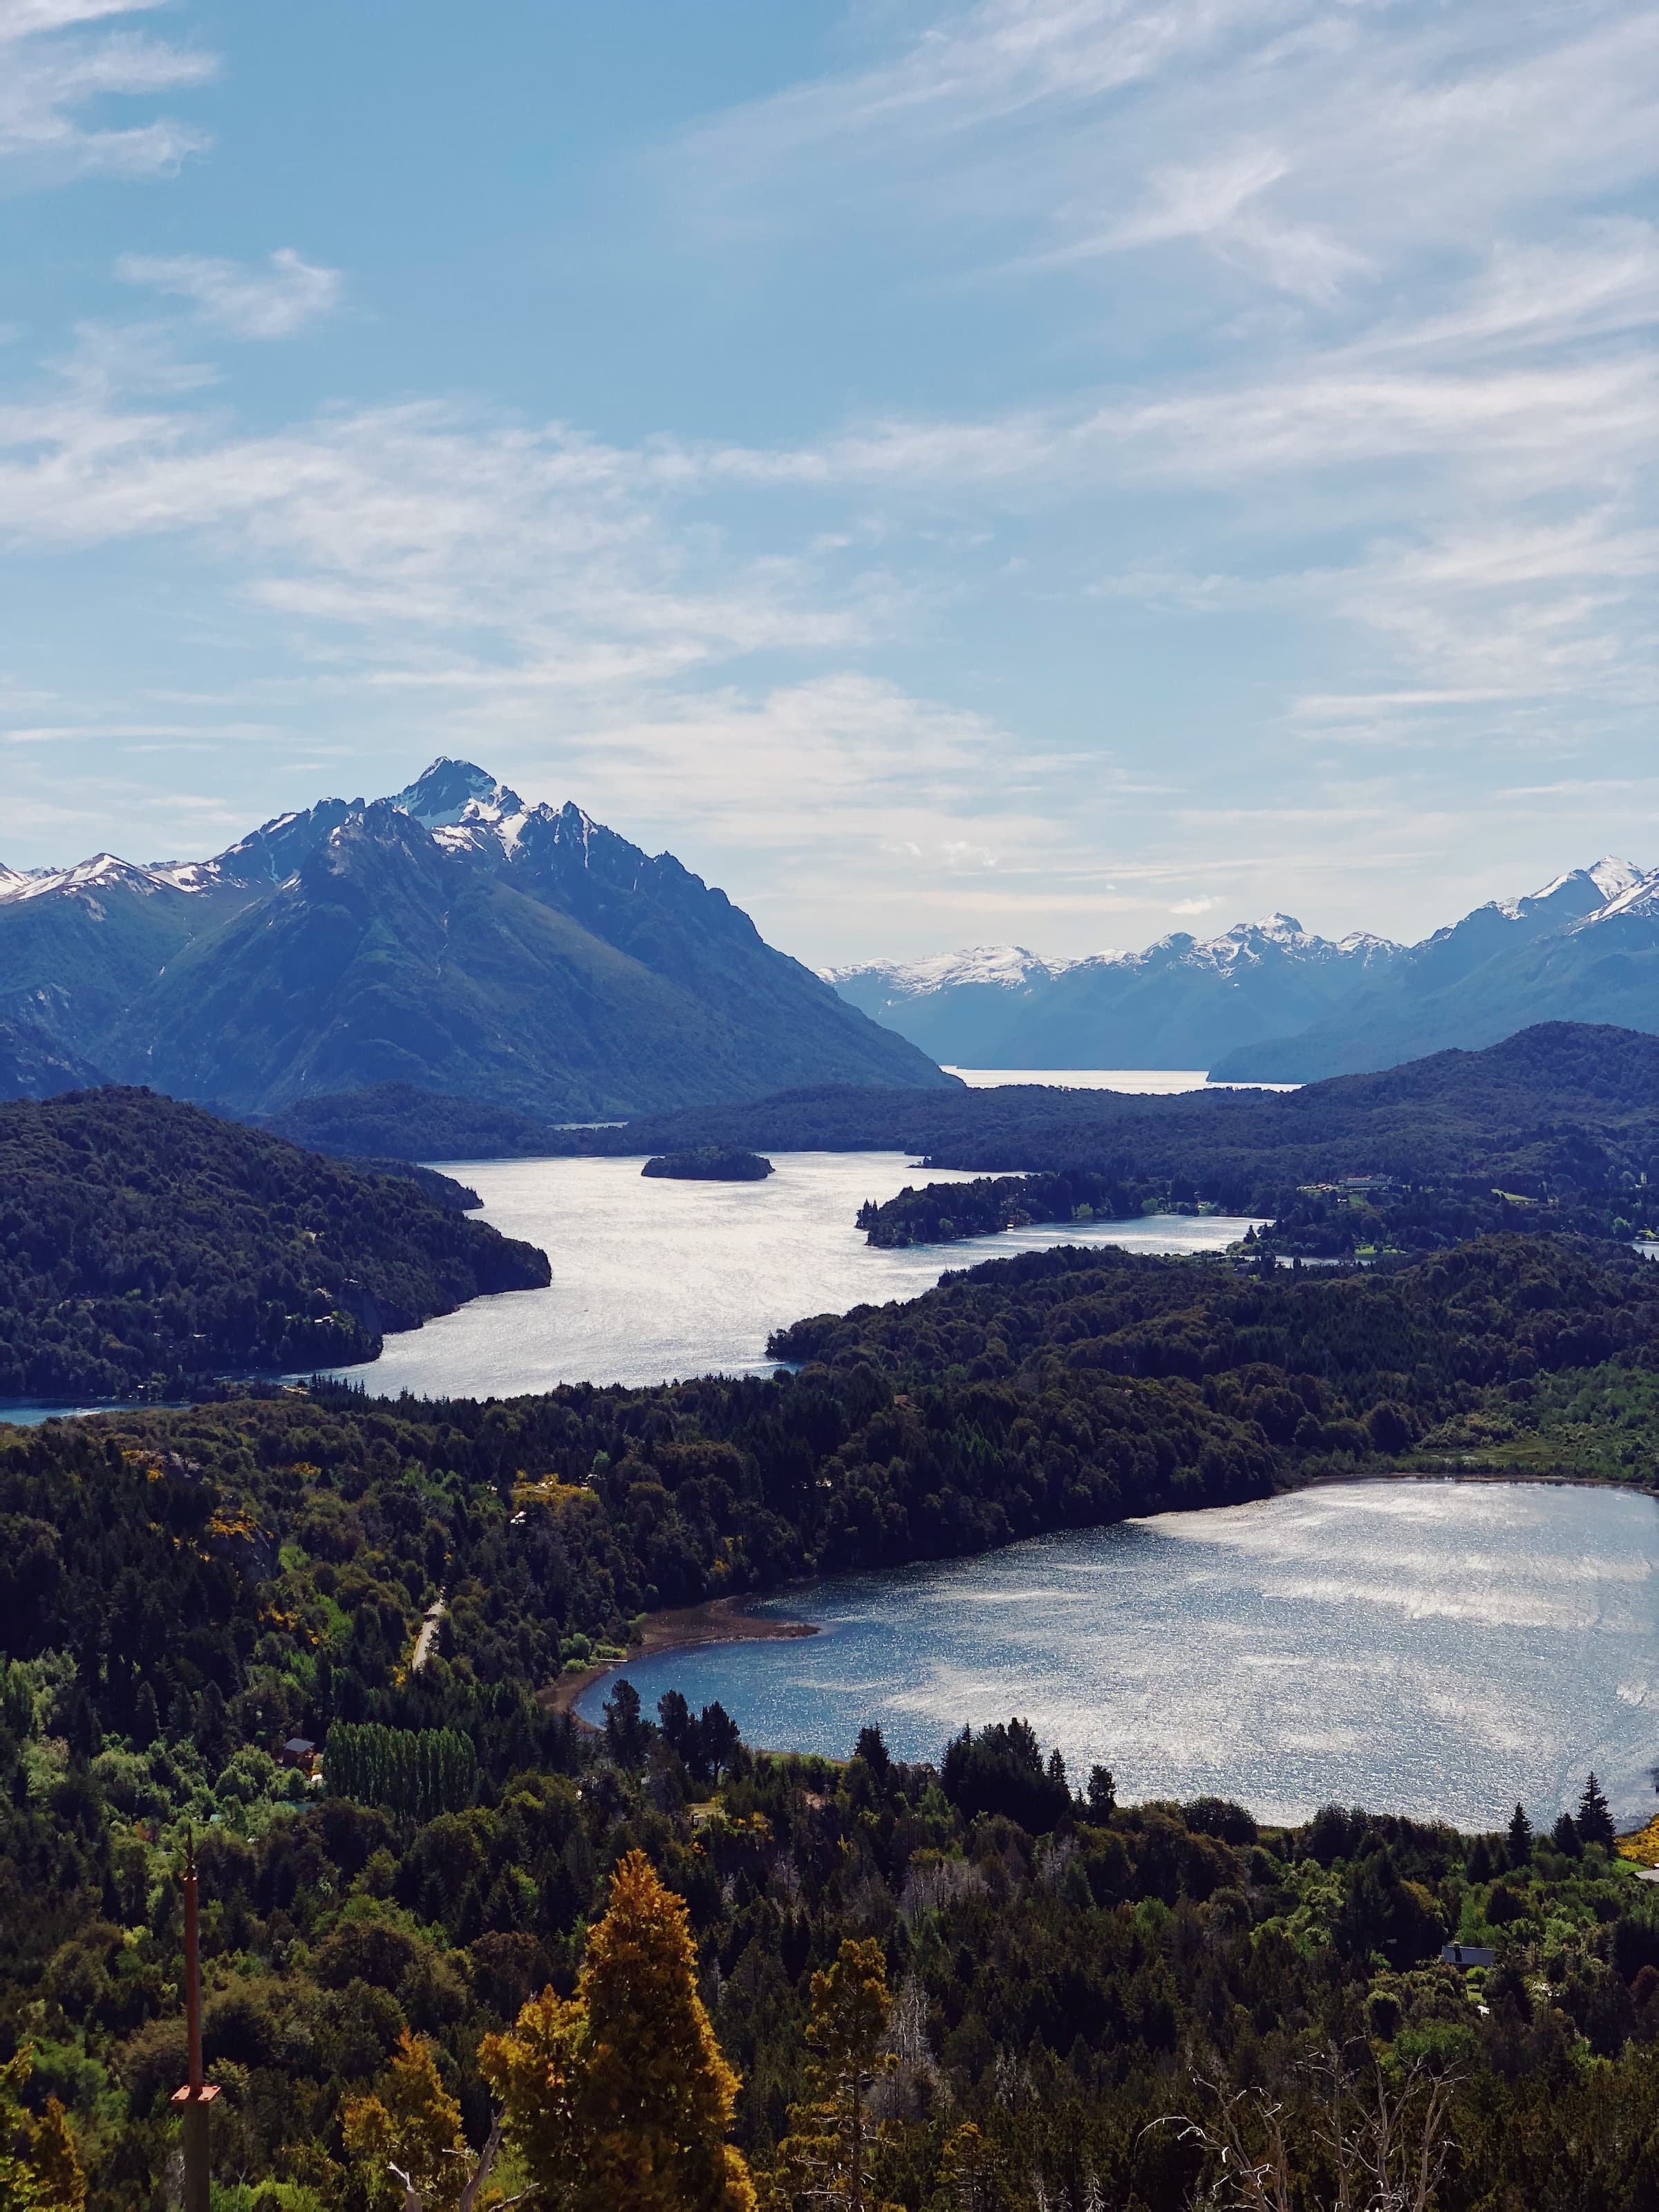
(710, 1163)
(145, 1245)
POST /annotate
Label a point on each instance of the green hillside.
(144, 1243)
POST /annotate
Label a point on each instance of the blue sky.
(1055, 470)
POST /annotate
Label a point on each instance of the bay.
(655, 1279)
(1436, 1648)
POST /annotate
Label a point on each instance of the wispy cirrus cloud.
(58, 59)
(270, 300)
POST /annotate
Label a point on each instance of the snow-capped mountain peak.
(453, 793)
(993, 967)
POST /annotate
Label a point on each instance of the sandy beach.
(716, 1620)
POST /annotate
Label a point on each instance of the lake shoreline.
(680, 1628)
(731, 1620)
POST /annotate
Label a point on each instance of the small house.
(299, 1751)
(1466, 1954)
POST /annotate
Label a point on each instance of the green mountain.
(451, 938)
(144, 1243)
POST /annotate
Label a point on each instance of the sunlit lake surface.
(655, 1279)
(1438, 1648)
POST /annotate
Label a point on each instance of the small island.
(711, 1164)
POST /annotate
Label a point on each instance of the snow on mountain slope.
(993, 967)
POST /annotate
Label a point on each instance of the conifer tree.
(61, 2186)
(1594, 1821)
(40, 2170)
(824, 2159)
(655, 2095)
(619, 2100)
(1520, 1840)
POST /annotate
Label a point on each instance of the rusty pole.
(197, 2096)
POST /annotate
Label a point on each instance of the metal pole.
(197, 2096)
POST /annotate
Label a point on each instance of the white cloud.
(243, 299)
(54, 65)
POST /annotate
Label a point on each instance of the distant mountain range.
(449, 938)
(1270, 1002)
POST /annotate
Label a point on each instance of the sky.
(1053, 472)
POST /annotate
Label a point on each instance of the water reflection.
(1443, 1649)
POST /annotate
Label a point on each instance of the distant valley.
(449, 938)
(1271, 1002)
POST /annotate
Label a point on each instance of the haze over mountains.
(1270, 1002)
(450, 937)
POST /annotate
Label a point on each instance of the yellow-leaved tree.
(40, 2171)
(406, 2138)
(825, 2160)
(618, 2100)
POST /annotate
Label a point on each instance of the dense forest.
(394, 1120)
(1325, 1221)
(977, 1985)
(1561, 1107)
(968, 1984)
(144, 1243)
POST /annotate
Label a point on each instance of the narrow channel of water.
(1438, 1648)
(655, 1279)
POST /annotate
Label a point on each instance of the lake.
(655, 1279)
(1440, 1648)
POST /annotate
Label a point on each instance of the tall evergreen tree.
(1520, 1839)
(622, 2097)
(825, 2157)
(655, 2095)
(1594, 1821)
(534, 2069)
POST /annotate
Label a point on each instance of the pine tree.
(20, 2185)
(1520, 1840)
(146, 1718)
(968, 2172)
(1594, 1821)
(61, 2186)
(825, 2156)
(40, 2170)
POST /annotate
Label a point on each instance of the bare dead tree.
(1385, 2145)
(482, 2166)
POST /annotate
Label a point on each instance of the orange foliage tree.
(618, 2100)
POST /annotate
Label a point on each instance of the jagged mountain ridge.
(450, 938)
(1176, 1004)
(1269, 1002)
(1585, 948)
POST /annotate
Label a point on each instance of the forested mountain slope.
(144, 1243)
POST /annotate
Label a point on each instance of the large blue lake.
(1436, 1647)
